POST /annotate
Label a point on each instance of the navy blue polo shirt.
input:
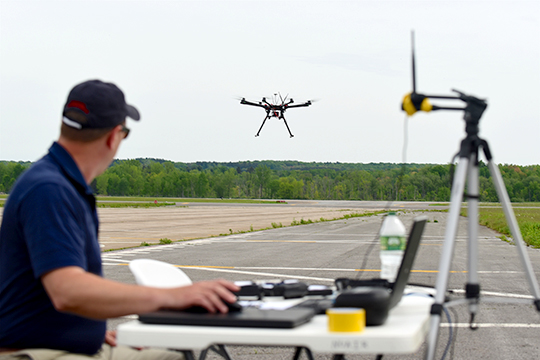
(49, 222)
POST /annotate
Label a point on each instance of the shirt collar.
(69, 167)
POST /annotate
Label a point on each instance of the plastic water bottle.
(393, 242)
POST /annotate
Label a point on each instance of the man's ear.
(111, 136)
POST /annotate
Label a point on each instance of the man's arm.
(71, 289)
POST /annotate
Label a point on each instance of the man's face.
(120, 133)
(116, 136)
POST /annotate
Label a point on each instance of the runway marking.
(436, 271)
(273, 275)
(113, 264)
(494, 293)
(122, 261)
(307, 269)
(491, 325)
(106, 258)
(206, 266)
(321, 269)
(285, 241)
(124, 237)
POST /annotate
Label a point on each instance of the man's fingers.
(110, 337)
(212, 295)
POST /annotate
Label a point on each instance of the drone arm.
(299, 105)
(245, 102)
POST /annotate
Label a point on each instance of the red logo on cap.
(78, 105)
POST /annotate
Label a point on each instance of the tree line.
(294, 180)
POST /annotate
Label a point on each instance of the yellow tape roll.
(346, 319)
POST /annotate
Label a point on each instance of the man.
(52, 293)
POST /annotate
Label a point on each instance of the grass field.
(127, 200)
(527, 216)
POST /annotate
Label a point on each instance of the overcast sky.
(185, 64)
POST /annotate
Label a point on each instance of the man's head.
(92, 109)
(93, 125)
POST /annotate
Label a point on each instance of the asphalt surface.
(131, 227)
(320, 252)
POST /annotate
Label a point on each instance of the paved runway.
(129, 227)
(319, 253)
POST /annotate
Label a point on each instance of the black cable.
(403, 156)
(451, 170)
(398, 188)
(456, 322)
(405, 138)
(366, 257)
(421, 285)
(450, 333)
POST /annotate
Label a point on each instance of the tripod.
(467, 169)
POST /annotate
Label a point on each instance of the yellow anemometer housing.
(420, 103)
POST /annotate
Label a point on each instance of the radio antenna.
(413, 64)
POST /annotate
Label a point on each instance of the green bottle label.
(393, 243)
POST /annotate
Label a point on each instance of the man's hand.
(208, 294)
(110, 337)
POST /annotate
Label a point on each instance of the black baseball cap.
(95, 104)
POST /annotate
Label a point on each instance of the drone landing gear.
(285, 121)
(266, 118)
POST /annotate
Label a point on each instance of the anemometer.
(467, 171)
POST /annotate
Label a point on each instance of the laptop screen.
(408, 259)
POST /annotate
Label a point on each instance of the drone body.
(276, 110)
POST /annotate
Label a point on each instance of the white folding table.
(403, 332)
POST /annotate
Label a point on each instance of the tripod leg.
(446, 256)
(514, 229)
(472, 289)
(266, 118)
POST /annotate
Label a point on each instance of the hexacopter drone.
(276, 110)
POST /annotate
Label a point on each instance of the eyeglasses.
(125, 130)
